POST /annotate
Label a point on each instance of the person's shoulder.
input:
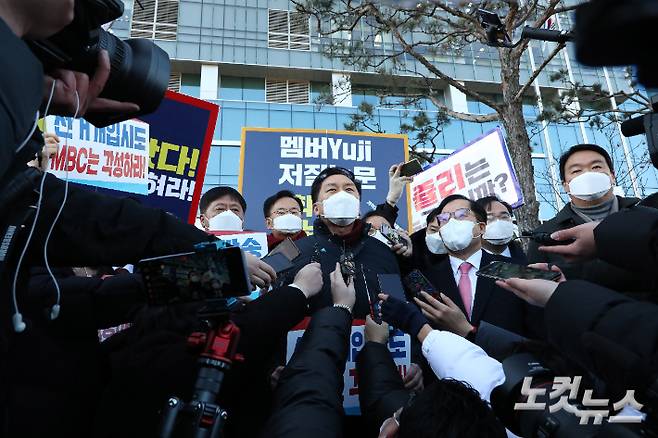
(627, 202)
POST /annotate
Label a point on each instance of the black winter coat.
(596, 271)
(308, 401)
(371, 256)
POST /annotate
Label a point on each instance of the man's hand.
(446, 315)
(68, 82)
(583, 247)
(536, 292)
(396, 184)
(413, 380)
(342, 293)
(309, 279)
(402, 315)
(376, 332)
(261, 274)
(404, 249)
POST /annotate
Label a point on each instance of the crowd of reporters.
(597, 321)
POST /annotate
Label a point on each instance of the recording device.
(415, 283)
(139, 68)
(287, 248)
(210, 273)
(645, 124)
(411, 168)
(503, 270)
(391, 235)
(543, 238)
(279, 262)
(347, 266)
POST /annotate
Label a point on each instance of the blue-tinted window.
(190, 84)
(230, 88)
(253, 89)
(453, 135)
(230, 162)
(233, 120)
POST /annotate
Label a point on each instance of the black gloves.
(405, 316)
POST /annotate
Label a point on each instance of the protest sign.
(181, 132)
(253, 243)
(278, 159)
(114, 156)
(399, 344)
(480, 168)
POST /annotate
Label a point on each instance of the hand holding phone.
(411, 168)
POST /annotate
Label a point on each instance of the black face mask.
(21, 93)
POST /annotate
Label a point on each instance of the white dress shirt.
(474, 260)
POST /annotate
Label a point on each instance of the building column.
(209, 82)
(341, 89)
(456, 100)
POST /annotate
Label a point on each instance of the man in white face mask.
(222, 209)
(467, 299)
(588, 177)
(283, 215)
(340, 236)
(499, 235)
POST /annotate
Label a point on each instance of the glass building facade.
(228, 52)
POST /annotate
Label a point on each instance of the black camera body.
(139, 68)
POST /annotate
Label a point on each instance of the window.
(288, 30)
(174, 81)
(155, 19)
(282, 91)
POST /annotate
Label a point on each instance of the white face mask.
(499, 232)
(435, 243)
(341, 208)
(379, 236)
(225, 221)
(590, 186)
(288, 223)
(457, 234)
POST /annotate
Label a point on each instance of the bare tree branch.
(539, 69)
(478, 118)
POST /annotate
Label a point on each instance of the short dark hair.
(326, 173)
(373, 213)
(219, 192)
(449, 409)
(479, 212)
(584, 147)
(488, 200)
(269, 202)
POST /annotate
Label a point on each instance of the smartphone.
(195, 276)
(503, 271)
(415, 282)
(411, 168)
(279, 262)
(391, 235)
(287, 248)
(391, 284)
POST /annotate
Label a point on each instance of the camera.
(139, 69)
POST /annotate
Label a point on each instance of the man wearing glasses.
(499, 236)
(465, 298)
(283, 215)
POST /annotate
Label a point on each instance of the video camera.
(139, 68)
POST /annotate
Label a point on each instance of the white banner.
(481, 168)
(254, 243)
(114, 157)
(399, 344)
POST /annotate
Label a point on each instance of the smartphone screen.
(195, 276)
(503, 271)
(415, 282)
(411, 168)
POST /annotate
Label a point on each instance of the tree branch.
(536, 73)
(478, 118)
(431, 67)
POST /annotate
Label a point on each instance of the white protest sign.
(481, 168)
(399, 345)
(114, 157)
(249, 241)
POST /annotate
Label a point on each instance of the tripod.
(202, 417)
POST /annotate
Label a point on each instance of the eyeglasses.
(501, 216)
(282, 211)
(459, 214)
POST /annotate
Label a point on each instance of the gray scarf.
(597, 212)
